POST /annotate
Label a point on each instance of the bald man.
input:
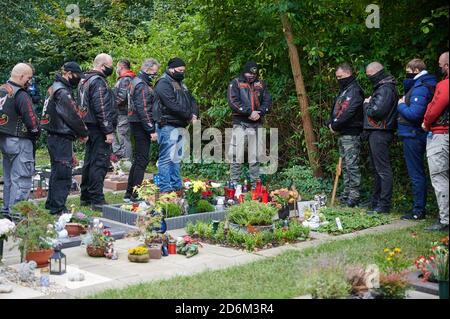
(99, 113)
(436, 121)
(19, 129)
(380, 119)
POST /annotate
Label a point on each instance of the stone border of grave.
(422, 286)
(114, 212)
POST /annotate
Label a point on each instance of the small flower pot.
(75, 229)
(155, 251)
(41, 257)
(443, 289)
(95, 251)
(139, 258)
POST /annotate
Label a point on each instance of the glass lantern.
(58, 262)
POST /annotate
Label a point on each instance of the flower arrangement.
(138, 251)
(80, 218)
(392, 260)
(149, 226)
(6, 228)
(194, 191)
(435, 267)
(282, 197)
(97, 236)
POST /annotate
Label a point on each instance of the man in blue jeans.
(419, 88)
(175, 110)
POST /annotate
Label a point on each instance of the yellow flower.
(391, 254)
(386, 250)
(397, 250)
(389, 259)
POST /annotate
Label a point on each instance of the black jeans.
(96, 163)
(141, 157)
(379, 142)
(60, 150)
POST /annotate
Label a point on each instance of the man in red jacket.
(436, 120)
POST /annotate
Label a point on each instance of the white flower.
(6, 226)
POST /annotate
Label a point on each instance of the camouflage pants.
(245, 134)
(121, 142)
(349, 149)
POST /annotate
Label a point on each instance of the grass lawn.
(284, 276)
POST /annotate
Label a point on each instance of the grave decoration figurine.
(313, 217)
(26, 271)
(60, 225)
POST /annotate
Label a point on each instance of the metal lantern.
(58, 262)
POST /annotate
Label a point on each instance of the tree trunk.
(313, 154)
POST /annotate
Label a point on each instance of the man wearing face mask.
(176, 109)
(122, 144)
(419, 88)
(61, 119)
(99, 114)
(347, 122)
(380, 119)
(250, 101)
(19, 127)
(141, 100)
(436, 121)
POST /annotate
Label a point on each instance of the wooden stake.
(336, 180)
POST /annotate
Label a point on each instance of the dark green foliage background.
(216, 37)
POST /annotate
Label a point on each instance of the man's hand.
(153, 136)
(332, 131)
(424, 127)
(402, 100)
(84, 139)
(254, 116)
(109, 138)
(75, 161)
(367, 100)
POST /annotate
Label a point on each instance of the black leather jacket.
(244, 98)
(381, 112)
(61, 114)
(140, 103)
(97, 103)
(347, 112)
(177, 105)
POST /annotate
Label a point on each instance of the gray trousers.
(244, 136)
(437, 154)
(121, 143)
(18, 168)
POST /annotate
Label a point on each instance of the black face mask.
(150, 77)
(178, 76)
(73, 81)
(250, 79)
(343, 83)
(377, 77)
(108, 71)
(411, 75)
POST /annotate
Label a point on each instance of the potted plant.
(282, 199)
(147, 191)
(434, 268)
(393, 276)
(138, 254)
(97, 239)
(36, 233)
(6, 229)
(193, 193)
(252, 215)
(79, 224)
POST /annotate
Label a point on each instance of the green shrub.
(305, 182)
(172, 210)
(329, 284)
(252, 213)
(203, 206)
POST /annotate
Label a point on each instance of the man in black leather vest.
(99, 114)
(19, 128)
(62, 121)
(250, 100)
